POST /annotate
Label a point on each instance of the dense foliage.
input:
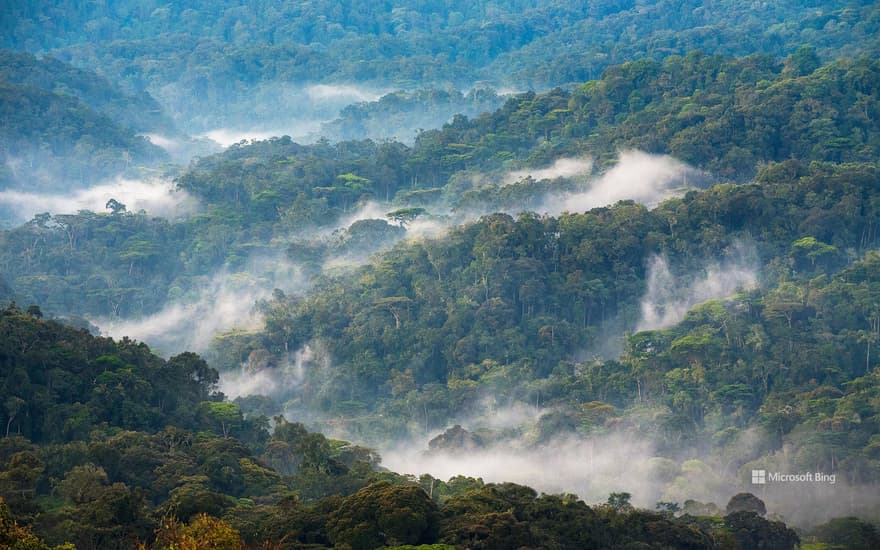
(503, 303)
(726, 325)
(108, 446)
(236, 58)
(62, 127)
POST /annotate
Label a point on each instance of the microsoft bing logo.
(759, 477)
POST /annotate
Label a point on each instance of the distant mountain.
(138, 112)
(223, 64)
(62, 127)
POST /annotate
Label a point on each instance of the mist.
(156, 196)
(190, 324)
(402, 114)
(223, 302)
(668, 297)
(591, 468)
(264, 375)
(226, 300)
(183, 149)
(344, 93)
(638, 176)
(287, 111)
(299, 130)
(561, 168)
(269, 110)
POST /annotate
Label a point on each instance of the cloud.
(347, 93)
(156, 196)
(669, 297)
(561, 168)
(591, 467)
(276, 110)
(257, 377)
(230, 136)
(638, 176)
(168, 143)
(182, 150)
(224, 302)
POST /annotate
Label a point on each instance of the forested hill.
(62, 128)
(238, 59)
(727, 327)
(140, 113)
(505, 303)
(625, 252)
(725, 116)
(461, 38)
(722, 115)
(107, 446)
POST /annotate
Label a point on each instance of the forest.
(425, 275)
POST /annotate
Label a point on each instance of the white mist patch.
(225, 302)
(508, 91)
(167, 143)
(257, 377)
(346, 93)
(370, 210)
(230, 136)
(427, 228)
(637, 176)
(562, 168)
(668, 298)
(155, 196)
(590, 467)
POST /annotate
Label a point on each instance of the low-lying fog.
(270, 110)
(594, 466)
(156, 196)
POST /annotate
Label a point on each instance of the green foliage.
(58, 123)
(503, 306)
(226, 53)
(383, 514)
(16, 537)
(848, 532)
(746, 502)
(752, 531)
(59, 383)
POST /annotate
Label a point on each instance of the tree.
(13, 406)
(619, 501)
(115, 206)
(803, 61)
(17, 537)
(202, 533)
(83, 484)
(848, 532)
(18, 479)
(383, 514)
(226, 414)
(746, 502)
(34, 311)
(812, 248)
(752, 531)
(405, 216)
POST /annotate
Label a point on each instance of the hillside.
(247, 63)
(145, 452)
(421, 275)
(64, 128)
